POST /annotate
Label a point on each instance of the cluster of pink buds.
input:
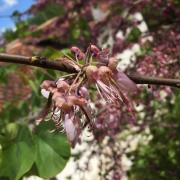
(98, 80)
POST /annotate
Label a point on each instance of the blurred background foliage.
(49, 30)
(160, 158)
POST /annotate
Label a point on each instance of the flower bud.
(81, 55)
(94, 49)
(112, 63)
(83, 91)
(104, 71)
(75, 50)
(91, 72)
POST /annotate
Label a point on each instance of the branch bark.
(70, 67)
(58, 64)
(139, 79)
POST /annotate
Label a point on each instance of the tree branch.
(70, 67)
(58, 64)
(139, 79)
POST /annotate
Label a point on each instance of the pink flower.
(70, 95)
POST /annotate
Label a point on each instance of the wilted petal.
(59, 102)
(124, 82)
(74, 100)
(47, 84)
(70, 128)
(62, 85)
(45, 93)
(57, 94)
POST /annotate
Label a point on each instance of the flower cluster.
(98, 81)
(68, 100)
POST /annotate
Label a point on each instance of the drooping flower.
(112, 85)
(72, 95)
(67, 103)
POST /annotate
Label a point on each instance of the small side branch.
(70, 67)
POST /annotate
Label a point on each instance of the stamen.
(77, 58)
(105, 88)
(99, 91)
(78, 75)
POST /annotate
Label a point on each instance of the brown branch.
(59, 64)
(70, 67)
(139, 79)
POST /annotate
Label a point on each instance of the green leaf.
(8, 133)
(177, 3)
(53, 152)
(134, 35)
(33, 86)
(18, 157)
(0, 155)
(49, 11)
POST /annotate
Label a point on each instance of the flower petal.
(70, 128)
(125, 83)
